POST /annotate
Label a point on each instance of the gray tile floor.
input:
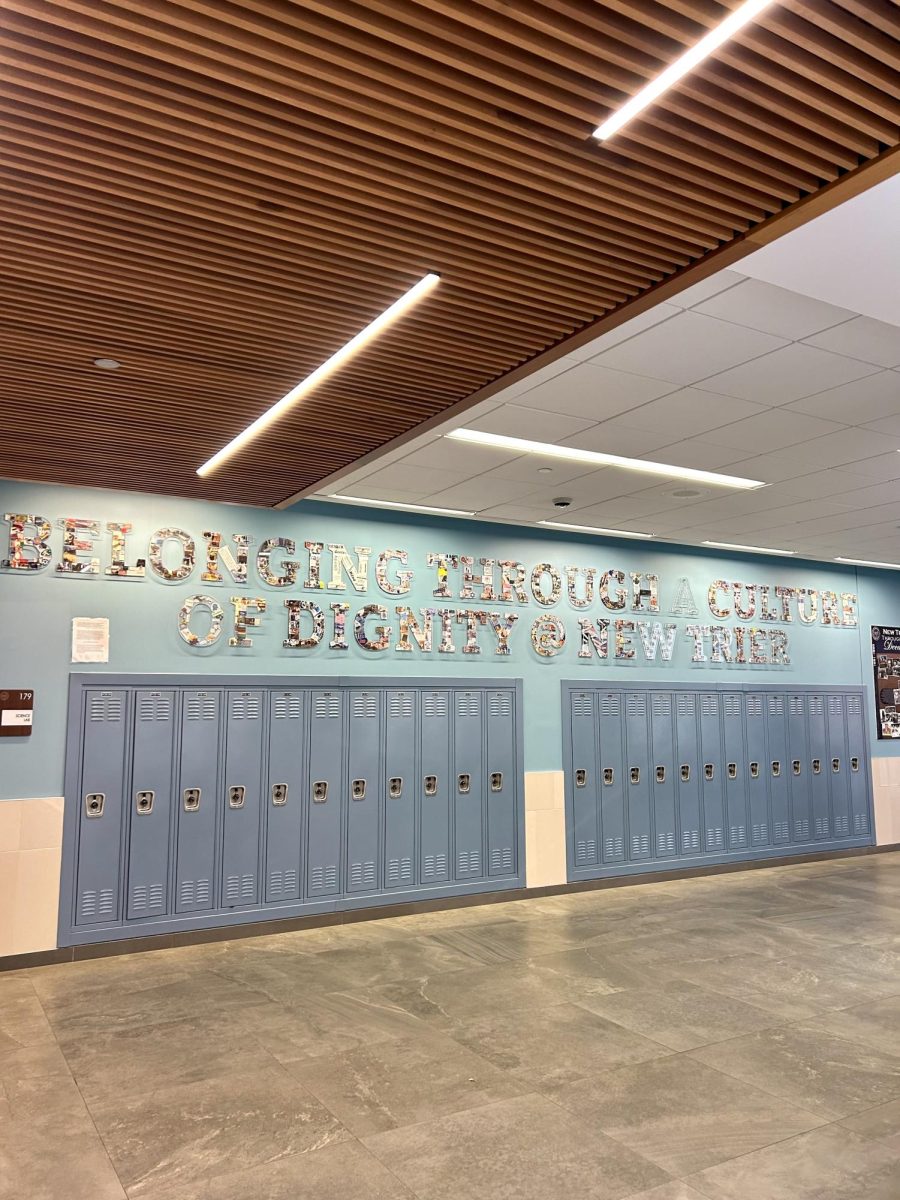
(727, 1038)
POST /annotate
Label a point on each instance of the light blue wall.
(36, 609)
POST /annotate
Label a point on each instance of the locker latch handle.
(660, 774)
(191, 799)
(754, 770)
(358, 789)
(143, 802)
(836, 765)
(93, 804)
(395, 787)
(732, 770)
(635, 774)
(279, 794)
(817, 766)
(776, 767)
(320, 791)
(581, 777)
(496, 781)
(431, 785)
(795, 766)
(854, 764)
(609, 776)
(709, 770)
(464, 783)
(685, 772)
(236, 796)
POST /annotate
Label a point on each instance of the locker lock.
(191, 798)
(685, 772)
(464, 783)
(732, 770)
(836, 765)
(279, 794)
(754, 770)
(795, 766)
(635, 773)
(395, 787)
(817, 766)
(320, 791)
(431, 785)
(609, 776)
(236, 797)
(93, 804)
(143, 802)
(776, 767)
(709, 770)
(581, 777)
(660, 774)
(854, 764)
(358, 789)
(496, 781)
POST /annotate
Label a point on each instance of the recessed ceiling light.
(749, 549)
(596, 459)
(732, 24)
(862, 562)
(409, 298)
(625, 533)
(426, 508)
(107, 364)
(686, 493)
(545, 470)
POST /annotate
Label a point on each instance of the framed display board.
(886, 662)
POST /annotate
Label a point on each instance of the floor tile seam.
(828, 1116)
(524, 1095)
(647, 1037)
(100, 1137)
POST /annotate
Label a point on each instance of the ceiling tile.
(541, 375)
(856, 403)
(449, 455)
(889, 425)
(373, 491)
(877, 493)
(772, 430)
(603, 484)
(839, 449)
(787, 374)
(594, 392)
(880, 466)
(770, 468)
(687, 348)
(698, 454)
(628, 329)
(687, 412)
(517, 512)
(833, 482)
(872, 341)
(411, 478)
(481, 492)
(533, 423)
(773, 310)
(543, 472)
(712, 286)
(610, 437)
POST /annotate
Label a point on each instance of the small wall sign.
(16, 711)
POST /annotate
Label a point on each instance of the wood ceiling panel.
(219, 194)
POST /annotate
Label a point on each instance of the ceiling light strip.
(425, 508)
(749, 549)
(691, 58)
(595, 458)
(407, 301)
(863, 562)
(623, 533)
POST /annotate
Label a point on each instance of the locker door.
(611, 777)
(756, 769)
(323, 841)
(859, 765)
(468, 784)
(243, 785)
(818, 766)
(712, 783)
(798, 752)
(687, 770)
(284, 796)
(152, 768)
(662, 761)
(735, 781)
(778, 767)
(400, 789)
(434, 787)
(584, 783)
(637, 769)
(100, 806)
(838, 767)
(364, 791)
(501, 782)
(198, 790)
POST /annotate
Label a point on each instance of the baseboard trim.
(195, 937)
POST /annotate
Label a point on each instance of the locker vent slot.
(782, 832)
(283, 883)
(754, 705)
(468, 862)
(194, 893)
(327, 706)
(796, 706)
(854, 705)
(662, 704)
(582, 704)
(499, 704)
(715, 838)
(739, 835)
(801, 830)
(759, 834)
(502, 860)
(468, 704)
(687, 705)
(364, 705)
(323, 878)
(399, 870)
(97, 903)
(585, 851)
(822, 827)
(690, 839)
(362, 874)
(435, 866)
(732, 706)
(636, 704)
(640, 845)
(613, 848)
(776, 706)
(106, 708)
(610, 705)
(401, 704)
(709, 706)
(287, 708)
(835, 706)
(665, 843)
(816, 706)
(154, 708)
(842, 826)
(240, 889)
(245, 708)
(860, 823)
(146, 898)
(200, 708)
(435, 705)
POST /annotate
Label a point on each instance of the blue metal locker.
(638, 767)
(198, 790)
(434, 787)
(149, 837)
(858, 752)
(326, 741)
(735, 780)
(364, 791)
(501, 782)
(778, 767)
(584, 778)
(756, 770)
(798, 750)
(285, 795)
(662, 761)
(468, 767)
(712, 782)
(838, 767)
(242, 810)
(687, 773)
(611, 777)
(101, 807)
(818, 766)
(400, 788)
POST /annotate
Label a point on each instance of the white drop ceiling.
(739, 374)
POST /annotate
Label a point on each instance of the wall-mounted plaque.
(16, 711)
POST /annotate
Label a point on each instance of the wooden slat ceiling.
(219, 194)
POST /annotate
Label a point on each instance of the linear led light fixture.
(407, 301)
(425, 508)
(862, 562)
(691, 58)
(594, 458)
(749, 549)
(624, 533)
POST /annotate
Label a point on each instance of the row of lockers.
(655, 775)
(195, 801)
